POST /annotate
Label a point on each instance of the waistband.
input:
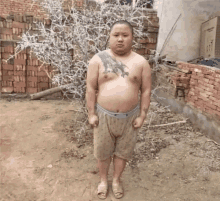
(117, 115)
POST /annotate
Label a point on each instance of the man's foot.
(117, 189)
(102, 190)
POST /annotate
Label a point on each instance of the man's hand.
(138, 122)
(93, 120)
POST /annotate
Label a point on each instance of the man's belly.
(118, 98)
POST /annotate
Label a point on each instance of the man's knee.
(104, 160)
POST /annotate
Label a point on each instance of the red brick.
(216, 112)
(140, 51)
(217, 103)
(5, 31)
(16, 37)
(151, 46)
(43, 84)
(19, 73)
(22, 78)
(209, 77)
(5, 55)
(20, 67)
(33, 68)
(19, 89)
(209, 110)
(217, 96)
(42, 73)
(7, 89)
(217, 87)
(210, 105)
(9, 49)
(19, 62)
(211, 82)
(205, 80)
(18, 25)
(32, 84)
(213, 98)
(194, 77)
(8, 78)
(43, 79)
(204, 95)
(19, 84)
(7, 67)
(4, 83)
(201, 88)
(32, 79)
(5, 72)
(32, 90)
(217, 75)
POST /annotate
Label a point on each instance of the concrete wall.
(184, 43)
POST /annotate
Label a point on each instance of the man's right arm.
(92, 84)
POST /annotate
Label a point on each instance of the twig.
(213, 142)
(169, 34)
(178, 122)
(174, 68)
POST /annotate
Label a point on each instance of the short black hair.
(123, 22)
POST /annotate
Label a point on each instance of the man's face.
(120, 39)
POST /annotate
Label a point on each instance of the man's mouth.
(119, 45)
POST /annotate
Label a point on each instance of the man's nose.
(120, 38)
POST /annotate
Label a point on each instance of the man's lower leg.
(103, 166)
(119, 166)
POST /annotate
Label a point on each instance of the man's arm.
(92, 84)
(145, 89)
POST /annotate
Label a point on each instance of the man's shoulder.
(139, 58)
(96, 57)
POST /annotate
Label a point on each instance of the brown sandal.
(102, 191)
(117, 190)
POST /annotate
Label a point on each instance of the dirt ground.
(45, 158)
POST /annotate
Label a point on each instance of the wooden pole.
(48, 92)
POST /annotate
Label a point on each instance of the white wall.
(184, 43)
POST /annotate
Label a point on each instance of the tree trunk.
(48, 92)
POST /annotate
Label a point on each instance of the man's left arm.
(145, 89)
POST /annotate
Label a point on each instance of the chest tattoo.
(112, 64)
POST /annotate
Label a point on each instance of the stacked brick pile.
(151, 26)
(204, 90)
(196, 85)
(22, 73)
(181, 82)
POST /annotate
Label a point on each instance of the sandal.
(117, 190)
(102, 191)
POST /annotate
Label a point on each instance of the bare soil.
(47, 155)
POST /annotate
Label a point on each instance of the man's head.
(121, 36)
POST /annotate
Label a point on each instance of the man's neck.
(122, 56)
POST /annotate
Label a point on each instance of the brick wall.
(196, 85)
(29, 7)
(21, 7)
(20, 74)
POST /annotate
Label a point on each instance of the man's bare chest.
(134, 74)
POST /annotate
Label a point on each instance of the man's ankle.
(115, 180)
(104, 180)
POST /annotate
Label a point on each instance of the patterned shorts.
(115, 134)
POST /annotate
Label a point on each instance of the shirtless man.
(115, 113)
